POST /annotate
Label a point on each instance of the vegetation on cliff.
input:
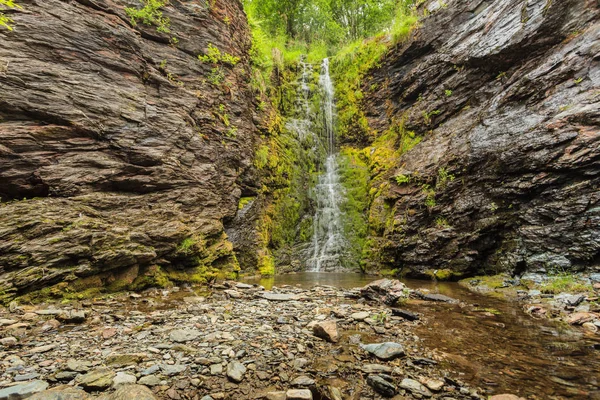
(5, 21)
(355, 35)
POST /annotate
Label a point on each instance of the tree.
(4, 20)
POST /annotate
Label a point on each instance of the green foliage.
(427, 116)
(578, 80)
(6, 22)
(443, 177)
(402, 179)
(214, 56)
(448, 92)
(429, 195)
(150, 14)
(441, 222)
(381, 317)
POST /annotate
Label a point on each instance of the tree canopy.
(329, 21)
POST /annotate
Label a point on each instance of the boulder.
(387, 291)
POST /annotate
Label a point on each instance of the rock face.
(122, 153)
(504, 95)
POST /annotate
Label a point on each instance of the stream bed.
(488, 342)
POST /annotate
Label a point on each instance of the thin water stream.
(491, 343)
(328, 230)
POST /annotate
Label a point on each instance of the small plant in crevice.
(216, 76)
(214, 56)
(448, 92)
(578, 80)
(443, 177)
(150, 14)
(381, 317)
(427, 116)
(441, 222)
(493, 207)
(5, 21)
(402, 179)
(429, 195)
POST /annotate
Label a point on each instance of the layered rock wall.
(505, 95)
(121, 153)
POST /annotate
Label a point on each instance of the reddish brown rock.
(114, 146)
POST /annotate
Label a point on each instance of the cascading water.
(328, 236)
(303, 124)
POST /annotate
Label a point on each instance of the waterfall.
(328, 235)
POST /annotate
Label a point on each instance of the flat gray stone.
(26, 377)
(384, 351)
(149, 380)
(123, 378)
(184, 335)
(303, 380)
(298, 394)
(216, 369)
(279, 296)
(360, 316)
(23, 390)
(415, 387)
(171, 370)
(241, 285)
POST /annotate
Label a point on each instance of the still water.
(489, 342)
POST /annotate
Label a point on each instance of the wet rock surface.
(242, 347)
(505, 97)
(114, 150)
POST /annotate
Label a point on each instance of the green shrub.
(5, 21)
(150, 14)
(214, 56)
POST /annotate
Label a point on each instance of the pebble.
(236, 371)
(415, 387)
(303, 380)
(385, 351)
(184, 335)
(381, 385)
(298, 394)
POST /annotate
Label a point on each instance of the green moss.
(244, 201)
(565, 283)
(492, 282)
(443, 274)
(266, 264)
(154, 276)
(354, 176)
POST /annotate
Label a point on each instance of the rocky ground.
(235, 341)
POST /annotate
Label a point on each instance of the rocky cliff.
(121, 152)
(504, 97)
